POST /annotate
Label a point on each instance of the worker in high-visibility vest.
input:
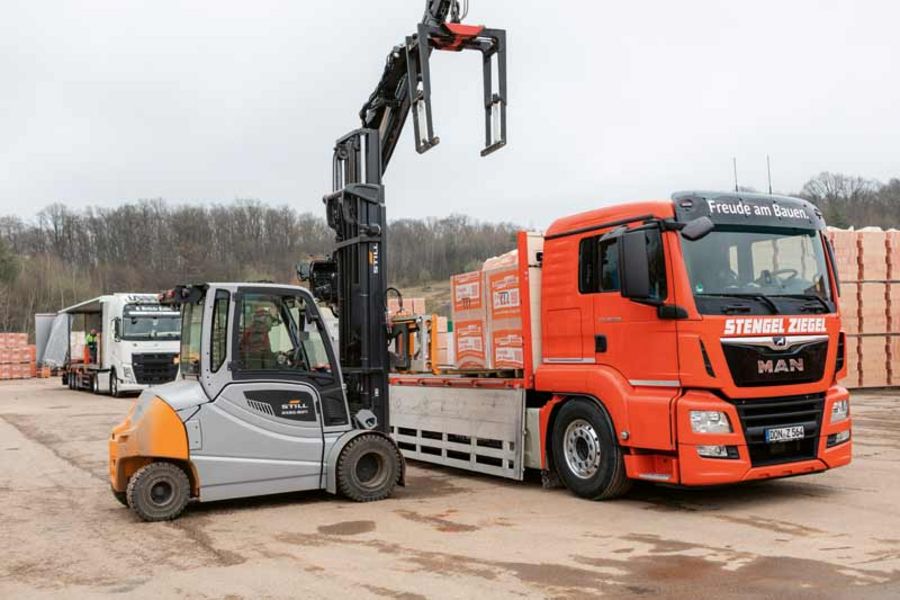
(90, 340)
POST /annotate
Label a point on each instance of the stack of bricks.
(17, 357)
(411, 306)
(868, 263)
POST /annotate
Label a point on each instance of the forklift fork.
(456, 37)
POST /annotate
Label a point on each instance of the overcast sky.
(104, 102)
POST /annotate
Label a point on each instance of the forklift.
(262, 403)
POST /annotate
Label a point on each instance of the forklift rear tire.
(122, 497)
(586, 454)
(158, 492)
(368, 468)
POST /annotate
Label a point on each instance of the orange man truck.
(694, 342)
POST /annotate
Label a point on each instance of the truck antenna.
(769, 172)
(734, 163)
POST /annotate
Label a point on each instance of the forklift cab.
(259, 407)
(262, 335)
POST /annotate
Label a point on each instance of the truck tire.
(158, 492)
(113, 384)
(586, 454)
(368, 468)
(95, 384)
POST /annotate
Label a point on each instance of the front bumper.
(693, 469)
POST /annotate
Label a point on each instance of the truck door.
(265, 430)
(629, 336)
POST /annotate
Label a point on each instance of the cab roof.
(611, 215)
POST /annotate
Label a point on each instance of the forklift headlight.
(709, 421)
(840, 410)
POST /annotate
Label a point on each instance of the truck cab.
(134, 346)
(707, 329)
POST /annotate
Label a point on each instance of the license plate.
(785, 434)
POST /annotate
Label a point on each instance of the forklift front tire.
(368, 468)
(158, 492)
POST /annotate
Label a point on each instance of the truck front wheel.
(113, 384)
(586, 454)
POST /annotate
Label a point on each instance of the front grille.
(765, 413)
(752, 365)
(154, 368)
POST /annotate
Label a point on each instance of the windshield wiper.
(822, 302)
(762, 299)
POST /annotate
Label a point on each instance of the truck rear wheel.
(368, 468)
(586, 454)
(158, 492)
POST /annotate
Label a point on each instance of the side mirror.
(697, 228)
(634, 261)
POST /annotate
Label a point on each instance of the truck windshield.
(150, 327)
(758, 271)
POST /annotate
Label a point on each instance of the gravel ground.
(448, 534)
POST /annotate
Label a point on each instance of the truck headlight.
(709, 421)
(840, 410)
(128, 374)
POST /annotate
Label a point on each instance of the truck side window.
(219, 331)
(598, 266)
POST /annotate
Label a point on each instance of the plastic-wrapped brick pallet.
(501, 280)
(469, 321)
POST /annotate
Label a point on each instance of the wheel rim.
(161, 493)
(581, 447)
(113, 385)
(370, 471)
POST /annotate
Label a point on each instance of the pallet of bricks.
(868, 263)
(17, 357)
(487, 316)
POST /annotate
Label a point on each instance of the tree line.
(63, 256)
(851, 201)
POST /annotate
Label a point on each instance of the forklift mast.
(355, 207)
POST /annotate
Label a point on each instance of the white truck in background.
(137, 344)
